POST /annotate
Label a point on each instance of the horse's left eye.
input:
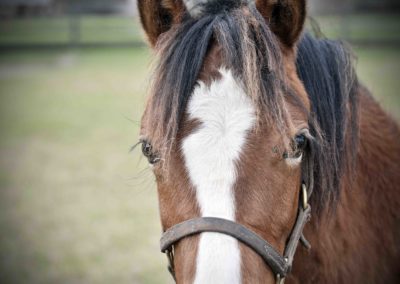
(147, 150)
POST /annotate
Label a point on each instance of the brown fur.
(255, 186)
(357, 243)
(286, 18)
(157, 17)
(177, 204)
(361, 242)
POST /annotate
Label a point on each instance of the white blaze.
(195, 7)
(226, 115)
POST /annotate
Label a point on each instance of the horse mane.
(326, 69)
(252, 52)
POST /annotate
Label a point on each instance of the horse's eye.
(148, 152)
(300, 142)
(146, 148)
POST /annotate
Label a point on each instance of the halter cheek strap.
(280, 265)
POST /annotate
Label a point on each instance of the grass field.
(75, 205)
(364, 27)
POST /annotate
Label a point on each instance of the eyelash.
(147, 150)
(299, 145)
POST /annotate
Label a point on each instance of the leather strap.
(303, 217)
(280, 265)
(235, 230)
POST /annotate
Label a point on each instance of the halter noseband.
(280, 265)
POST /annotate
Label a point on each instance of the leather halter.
(280, 265)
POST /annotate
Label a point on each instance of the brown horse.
(249, 116)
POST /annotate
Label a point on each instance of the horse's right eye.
(300, 142)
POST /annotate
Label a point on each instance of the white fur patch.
(226, 115)
(195, 7)
(294, 162)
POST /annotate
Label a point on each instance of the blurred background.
(75, 205)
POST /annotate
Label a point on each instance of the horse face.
(226, 155)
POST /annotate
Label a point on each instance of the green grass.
(75, 206)
(379, 69)
(361, 27)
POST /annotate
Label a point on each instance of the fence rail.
(70, 31)
(77, 31)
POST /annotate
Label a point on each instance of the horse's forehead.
(213, 62)
(210, 152)
(221, 105)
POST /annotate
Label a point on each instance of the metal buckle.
(279, 279)
(304, 196)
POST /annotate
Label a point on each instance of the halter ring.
(305, 196)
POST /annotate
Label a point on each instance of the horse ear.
(286, 18)
(157, 16)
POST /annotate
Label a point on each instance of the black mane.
(252, 51)
(326, 70)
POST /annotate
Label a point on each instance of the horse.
(263, 142)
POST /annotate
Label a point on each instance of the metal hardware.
(279, 279)
(304, 196)
(280, 264)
